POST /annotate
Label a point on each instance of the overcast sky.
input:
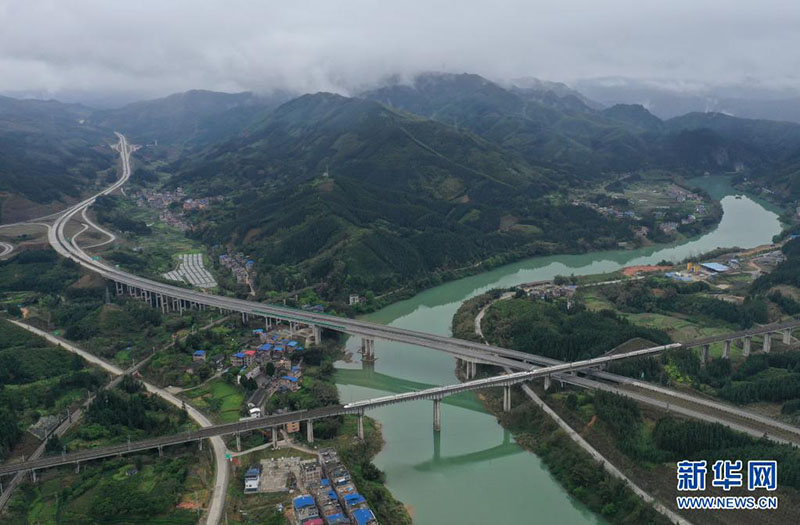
(158, 47)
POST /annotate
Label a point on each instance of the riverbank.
(569, 458)
(356, 454)
(637, 446)
(446, 476)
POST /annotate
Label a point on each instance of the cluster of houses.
(610, 211)
(548, 290)
(332, 500)
(200, 204)
(240, 265)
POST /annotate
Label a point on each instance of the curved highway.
(460, 348)
(5, 248)
(87, 220)
(68, 248)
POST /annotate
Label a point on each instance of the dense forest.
(560, 329)
(46, 152)
(576, 470)
(674, 439)
(36, 378)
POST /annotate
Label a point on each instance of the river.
(472, 473)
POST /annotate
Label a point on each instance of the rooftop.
(303, 501)
(363, 516)
(717, 267)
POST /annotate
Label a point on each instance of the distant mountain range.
(668, 99)
(398, 184)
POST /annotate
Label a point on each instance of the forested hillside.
(352, 194)
(194, 117)
(47, 149)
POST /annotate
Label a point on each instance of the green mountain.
(559, 131)
(356, 196)
(570, 134)
(197, 117)
(48, 150)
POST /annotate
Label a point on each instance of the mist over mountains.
(399, 184)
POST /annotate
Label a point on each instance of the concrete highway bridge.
(174, 298)
(436, 394)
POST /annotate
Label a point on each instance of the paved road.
(686, 404)
(599, 458)
(111, 237)
(5, 248)
(217, 504)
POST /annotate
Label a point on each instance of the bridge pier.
(310, 431)
(118, 287)
(472, 369)
(244, 318)
(437, 415)
(767, 346)
(200, 445)
(78, 467)
(705, 354)
(367, 349)
(238, 442)
(746, 345)
(34, 478)
(547, 383)
(160, 451)
(726, 352)
(506, 399)
(317, 330)
(787, 336)
(361, 426)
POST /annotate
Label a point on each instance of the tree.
(14, 310)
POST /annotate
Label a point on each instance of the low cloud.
(155, 48)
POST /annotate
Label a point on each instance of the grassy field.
(219, 398)
(595, 301)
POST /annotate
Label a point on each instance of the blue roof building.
(292, 343)
(199, 353)
(354, 499)
(303, 501)
(363, 516)
(266, 347)
(290, 378)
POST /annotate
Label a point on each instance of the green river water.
(473, 473)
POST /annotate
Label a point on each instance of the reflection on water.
(472, 472)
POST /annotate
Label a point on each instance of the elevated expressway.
(169, 297)
(172, 297)
(506, 381)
